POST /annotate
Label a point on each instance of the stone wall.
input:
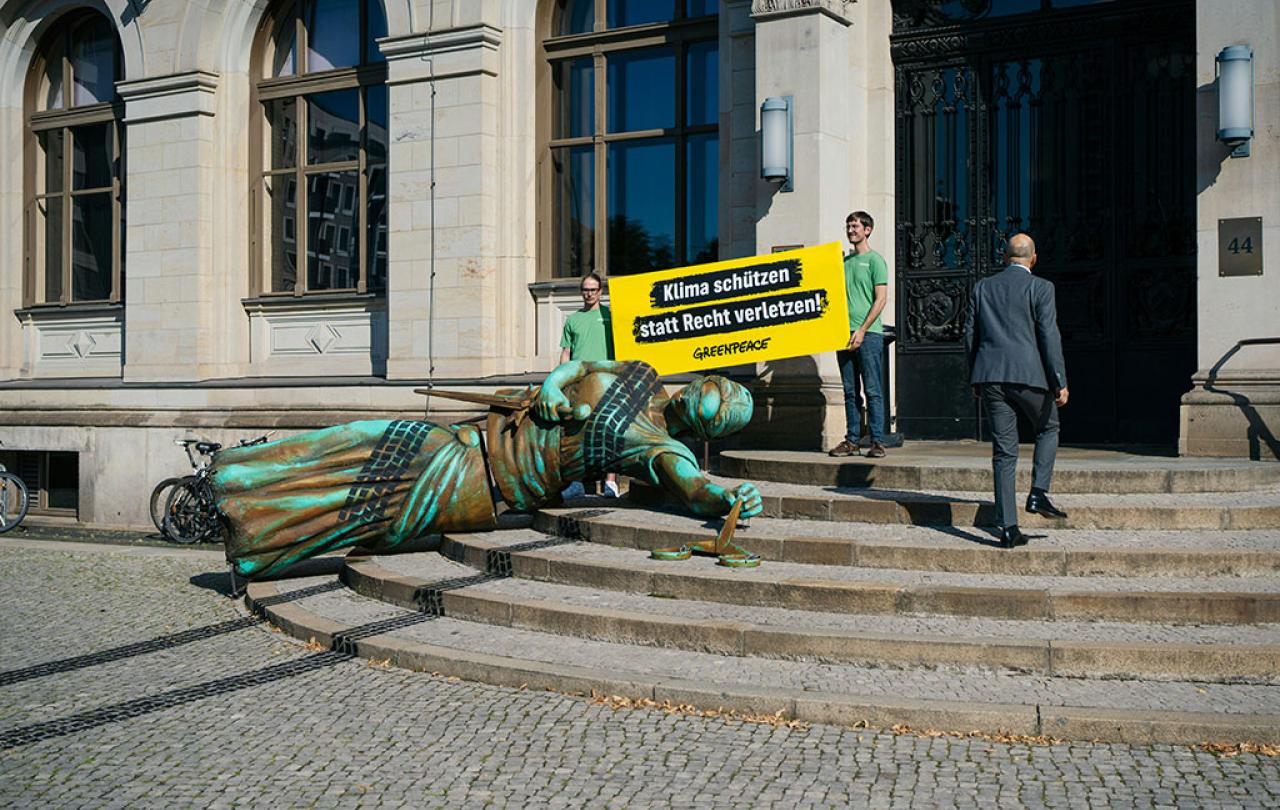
(1234, 408)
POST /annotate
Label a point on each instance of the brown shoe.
(844, 448)
(876, 451)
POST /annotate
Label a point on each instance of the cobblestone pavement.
(128, 680)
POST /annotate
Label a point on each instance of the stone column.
(1234, 407)
(169, 205)
(460, 131)
(802, 50)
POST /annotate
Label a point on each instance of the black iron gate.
(1076, 126)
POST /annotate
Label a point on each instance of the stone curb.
(1084, 723)
(1185, 662)
(613, 530)
(920, 510)
(837, 596)
(1214, 663)
(1112, 478)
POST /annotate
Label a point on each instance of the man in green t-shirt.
(866, 283)
(588, 335)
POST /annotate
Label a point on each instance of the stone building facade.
(305, 210)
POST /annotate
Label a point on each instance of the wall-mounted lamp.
(1235, 98)
(776, 153)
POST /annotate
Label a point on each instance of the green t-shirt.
(588, 334)
(862, 272)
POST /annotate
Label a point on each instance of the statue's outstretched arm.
(701, 495)
(552, 404)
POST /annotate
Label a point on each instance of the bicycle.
(14, 500)
(189, 515)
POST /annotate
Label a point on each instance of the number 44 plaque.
(1240, 246)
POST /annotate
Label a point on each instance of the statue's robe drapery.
(381, 483)
(374, 483)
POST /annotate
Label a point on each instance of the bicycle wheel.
(160, 499)
(186, 517)
(13, 501)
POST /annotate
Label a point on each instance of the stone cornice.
(175, 95)
(838, 10)
(442, 54)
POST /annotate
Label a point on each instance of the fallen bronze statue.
(378, 484)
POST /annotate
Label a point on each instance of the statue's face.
(714, 407)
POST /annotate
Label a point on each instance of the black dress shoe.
(1011, 537)
(1038, 503)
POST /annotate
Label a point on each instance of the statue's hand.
(554, 406)
(551, 402)
(752, 503)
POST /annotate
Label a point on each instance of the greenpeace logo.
(727, 349)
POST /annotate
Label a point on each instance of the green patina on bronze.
(378, 484)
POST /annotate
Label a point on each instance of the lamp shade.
(775, 138)
(1235, 94)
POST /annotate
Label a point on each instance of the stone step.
(319, 609)
(1060, 552)
(1244, 654)
(837, 589)
(966, 466)
(1258, 509)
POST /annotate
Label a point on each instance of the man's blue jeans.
(863, 367)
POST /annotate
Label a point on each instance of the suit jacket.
(1011, 331)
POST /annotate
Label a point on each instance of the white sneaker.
(611, 489)
(574, 490)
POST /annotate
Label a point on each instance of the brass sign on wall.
(1240, 246)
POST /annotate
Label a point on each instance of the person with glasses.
(588, 336)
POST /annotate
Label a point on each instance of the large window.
(322, 150)
(75, 197)
(634, 145)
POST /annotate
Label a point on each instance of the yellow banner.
(740, 311)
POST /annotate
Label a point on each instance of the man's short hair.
(592, 274)
(863, 217)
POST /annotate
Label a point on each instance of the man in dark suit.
(1015, 361)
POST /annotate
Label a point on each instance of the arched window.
(75, 195)
(633, 144)
(321, 149)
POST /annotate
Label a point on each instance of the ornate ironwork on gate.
(1071, 120)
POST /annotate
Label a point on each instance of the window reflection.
(93, 63)
(577, 17)
(641, 89)
(282, 116)
(623, 13)
(575, 91)
(91, 247)
(51, 155)
(648, 181)
(91, 156)
(330, 27)
(76, 252)
(326, 268)
(702, 83)
(702, 187)
(285, 59)
(641, 216)
(575, 203)
(376, 30)
(376, 121)
(281, 234)
(333, 126)
(51, 92)
(49, 211)
(345, 219)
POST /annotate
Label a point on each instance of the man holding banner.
(862, 361)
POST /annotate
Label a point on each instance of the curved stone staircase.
(1152, 615)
